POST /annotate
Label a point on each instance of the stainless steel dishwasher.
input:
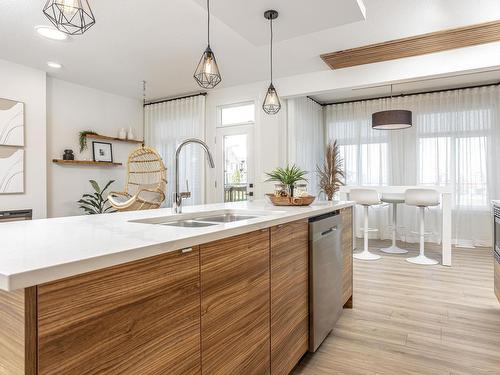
(325, 276)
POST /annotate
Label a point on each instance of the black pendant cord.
(208, 22)
(271, 51)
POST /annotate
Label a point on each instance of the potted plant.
(82, 139)
(331, 175)
(95, 203)
(288, 176)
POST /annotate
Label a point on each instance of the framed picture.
(102, 151)
(11, 171)
(11, 123)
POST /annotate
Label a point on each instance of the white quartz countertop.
(39, 251)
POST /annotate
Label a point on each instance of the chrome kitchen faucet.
(179, 196)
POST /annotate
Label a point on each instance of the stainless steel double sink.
(204, 219)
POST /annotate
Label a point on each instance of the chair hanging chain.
(143, 113)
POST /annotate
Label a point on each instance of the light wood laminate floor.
(411, 319)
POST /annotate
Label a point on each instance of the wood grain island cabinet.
(289, 295)
(234, 306)
(497, 278)
(347, 247)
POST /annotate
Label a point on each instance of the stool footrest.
(370, 229)
(418, 233)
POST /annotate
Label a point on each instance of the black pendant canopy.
(272, 104)
(72, 17)
(393, 119)
(207, 73)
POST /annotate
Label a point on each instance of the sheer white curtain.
(167, 125)
(452, 143)
(306, 139)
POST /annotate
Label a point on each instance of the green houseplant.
(82, 139)
(288, 176)
(331, 175)
(96, 203)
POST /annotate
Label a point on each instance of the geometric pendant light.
(72, 17)
(207, 73)
(394, 119)
(271, 103)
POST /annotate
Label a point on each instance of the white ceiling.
(295, 18)
(161, 41)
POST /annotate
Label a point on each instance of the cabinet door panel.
(497, 278)
(347, 255)
(289, 295)
(138, 318)
(235, 305)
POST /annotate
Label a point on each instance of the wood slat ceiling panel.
(416, 45)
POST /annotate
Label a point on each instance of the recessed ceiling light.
(55, 65)
(50, 33)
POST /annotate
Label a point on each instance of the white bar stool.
(366, 198)
(422, 198)
(394, 200)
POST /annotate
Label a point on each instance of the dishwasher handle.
(329, 231)
(318, 236)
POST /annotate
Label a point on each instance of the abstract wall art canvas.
(11, 123)
(12, 172)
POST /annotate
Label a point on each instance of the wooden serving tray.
(290, 201)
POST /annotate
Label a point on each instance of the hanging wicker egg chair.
(146, 182)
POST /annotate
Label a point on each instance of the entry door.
(235, 163)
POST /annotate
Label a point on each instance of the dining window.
(365, 164)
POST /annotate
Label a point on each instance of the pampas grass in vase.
(331, 176)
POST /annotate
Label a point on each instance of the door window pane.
(235, 167)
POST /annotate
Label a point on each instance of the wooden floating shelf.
(106, 138)
(86, 162)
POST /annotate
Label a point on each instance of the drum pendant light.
(207, 73)
(271, 103)
(394, 119)
(72, 17)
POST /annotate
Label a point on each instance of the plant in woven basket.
(331, 175)
(82, 139)
(95, 203)
(288, 176)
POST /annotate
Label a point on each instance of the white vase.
(122, 134)
(130, 134)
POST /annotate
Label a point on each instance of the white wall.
(27, 85)
(72, 108)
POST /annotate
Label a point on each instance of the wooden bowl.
(290, 201)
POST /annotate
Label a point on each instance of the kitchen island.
(135, 293)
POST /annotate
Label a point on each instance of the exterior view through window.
(234, 144)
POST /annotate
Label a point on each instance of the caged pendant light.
(72, 17)
(394, 119)
(207, 73)
(271, 103)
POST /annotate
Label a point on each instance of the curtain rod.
(315, 101)
(412, 94)
(178, 98)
